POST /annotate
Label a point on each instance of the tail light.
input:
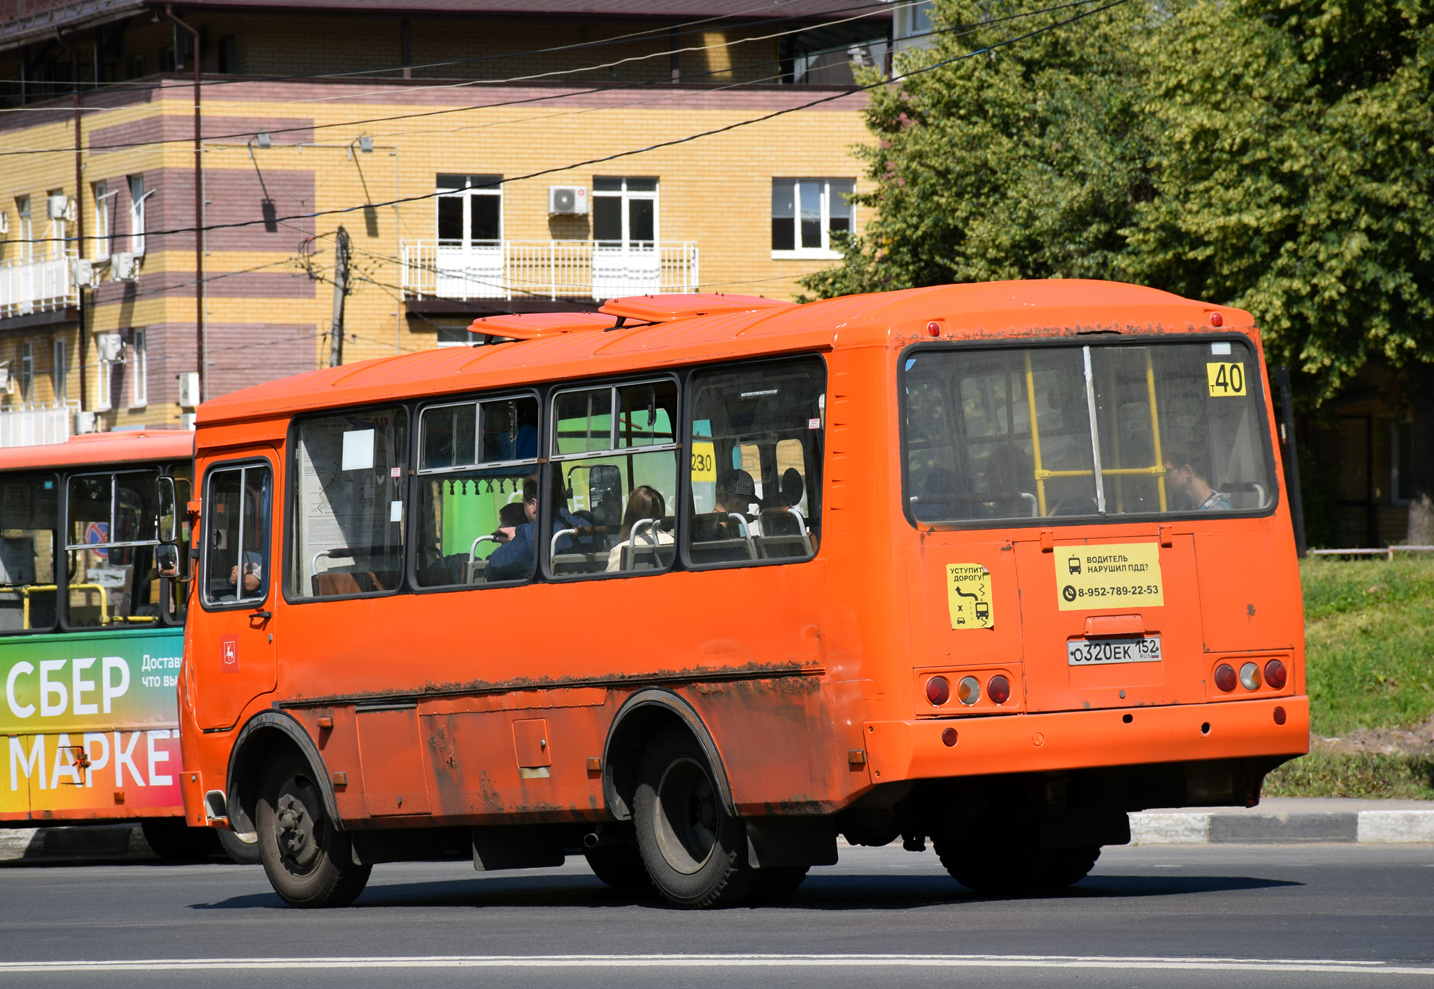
(1275, 674)
(938, 691)
(1250, 676)
(1225, 677)
(998, 688)
(969, 690)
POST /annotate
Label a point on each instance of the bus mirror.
(168, 509)
(166, 559)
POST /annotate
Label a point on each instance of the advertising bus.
(91, 629)
(694, 585)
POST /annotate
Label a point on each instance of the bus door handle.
(263, 616)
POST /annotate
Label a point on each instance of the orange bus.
(695, 585)
(91, 629)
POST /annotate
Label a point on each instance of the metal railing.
(37, 285)
(37, 425)
(555, 269)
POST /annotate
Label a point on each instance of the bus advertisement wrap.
(87, 718)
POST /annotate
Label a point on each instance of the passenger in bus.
(792, 487)
(514, 559)
(512, 515)
(644, 503)
(737, 492)
(1187, 473)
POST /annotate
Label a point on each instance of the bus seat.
(642, 555)
(332, 583)
(782, 532)
(718, 537)
(1245, 494)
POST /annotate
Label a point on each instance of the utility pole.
(198, 203)
(79, 216)
(341, 289)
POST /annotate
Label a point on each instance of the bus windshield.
(1095, 430)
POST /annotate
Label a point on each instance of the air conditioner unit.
(56, 206)
(5, 379)
(567, 200)
(123, 267)
(82, 272)
(189, 389)
(84, 422)
(110, 347)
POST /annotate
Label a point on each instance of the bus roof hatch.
(663, 308)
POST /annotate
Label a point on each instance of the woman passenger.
(644, 503)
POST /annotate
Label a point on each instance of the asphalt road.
(1207, 916)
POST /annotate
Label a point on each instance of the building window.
(59, 369)
(138, 66)
(470, 210)
(27, 372)
(137, 197)
(140, 370)
(805, 214)
(228, 55)
(56, 233)
(104, 218)
(911, 21)
(625, 212)
(25, 228)
(104, 373)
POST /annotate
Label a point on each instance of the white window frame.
(825, 252)
(27, 372)
(25, 229)
(466, 193)
(104, 378)
(57, 232)
(139, 373)
(137, 197)
(626, 196)
(104, 218)
(59, 368)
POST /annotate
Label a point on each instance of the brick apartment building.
(480, 153)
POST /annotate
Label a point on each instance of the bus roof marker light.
(1216, 319)
(998, 688)
(968, 690)
(938, 691)
(933, 328)
(1250, 676)
(1225, 677)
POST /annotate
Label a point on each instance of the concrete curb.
(101, 841)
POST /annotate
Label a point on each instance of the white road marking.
(722, 961)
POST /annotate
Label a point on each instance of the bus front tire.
(309, 861)
(695, 852)
(241, 849)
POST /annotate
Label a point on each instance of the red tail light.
(938, 691)
(998, 688)
(1275, 674)
(1225, 677)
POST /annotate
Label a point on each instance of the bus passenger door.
(234, 643)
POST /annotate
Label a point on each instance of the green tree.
(1275, 156)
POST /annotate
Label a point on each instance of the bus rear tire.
(241, 849)
(1069, 866)
(173, 840)
(779, 884)
(619, 866)
(308, 860)
(695, 852)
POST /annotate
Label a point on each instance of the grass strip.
(1359, 775)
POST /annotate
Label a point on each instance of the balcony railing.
(555, 269)
(37, 425)
(38, 285)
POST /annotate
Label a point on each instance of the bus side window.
(757, 446)
(29, 517)
(110, 549)
(348, 502)
(237, 510)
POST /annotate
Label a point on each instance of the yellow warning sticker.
(1122, 575)
(1225, 379)
(704, 461)
(968, 595)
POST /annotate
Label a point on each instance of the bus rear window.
(1084, 431)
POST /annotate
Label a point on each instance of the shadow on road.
(823, 891)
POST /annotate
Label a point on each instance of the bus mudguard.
(246, 760)
(637, 720)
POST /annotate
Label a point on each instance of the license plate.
(1108, 652)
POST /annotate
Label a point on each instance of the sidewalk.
(1275, 820)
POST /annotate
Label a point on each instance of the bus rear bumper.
(1023, 743)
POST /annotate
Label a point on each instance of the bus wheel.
(242, 849)
(620, 866)
(175, 841)
(695, 852)
(991, 863)
(1070, 865)
(777, 885)
(307, 859)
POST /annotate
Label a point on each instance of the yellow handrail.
(104, 599)
(1035, 435)
(1155, 427)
